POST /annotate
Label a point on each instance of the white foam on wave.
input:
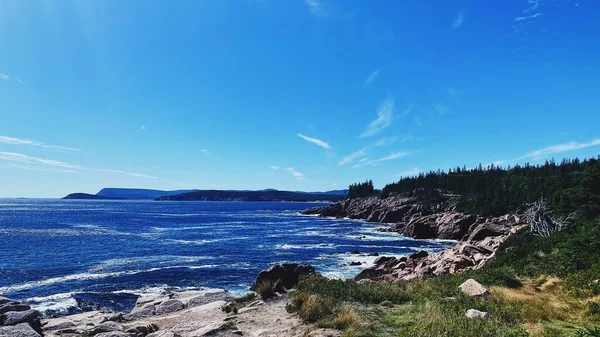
(152, 260)
(87, 277)
(306, 246)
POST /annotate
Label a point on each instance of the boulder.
(31, 317)
(421, 227)
(168, 307)
(487, 229)
(145, 311)
(473, 288)
(141, 328)
(474, 313)
(106, 327)
(13, 306)
(454, 225)
(289, 274)
(418, 255)
(19, 330)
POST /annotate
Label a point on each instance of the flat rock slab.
(19, 330)
(474, 313)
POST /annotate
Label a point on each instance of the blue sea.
(68, 256)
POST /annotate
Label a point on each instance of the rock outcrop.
(289, 274)
(464, 256)
(18, 319)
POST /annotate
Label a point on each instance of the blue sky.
(296, 95)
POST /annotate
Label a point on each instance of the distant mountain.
(211, 195)
(87, 196)
(332, 192)
(265, 195)
(137, 193)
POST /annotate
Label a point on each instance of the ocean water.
(68, 256)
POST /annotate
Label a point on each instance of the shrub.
(314, 308)
(345, 318)
(245, 298)
(594, 308)
(265, 289)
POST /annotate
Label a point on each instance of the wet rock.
(355, 263)
(288, 273)
(13, 306)
(418, 255)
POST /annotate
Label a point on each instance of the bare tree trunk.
(541, 221)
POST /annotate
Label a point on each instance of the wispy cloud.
(458, 19)
(527, 17)
(351, 157)
(139, 175)
(315, 141)
(316, 7)
(385, 116)
(417, 120)
(410, 173)
(5, 77)
(142, 127)
(275, 167)
(22, 158)
(552, 149)
(19, 141)
(375, 162)
(205, 151)
(295, 173)
(372, 76)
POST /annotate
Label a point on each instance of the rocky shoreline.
(427, 215)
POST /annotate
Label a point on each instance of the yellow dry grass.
(543, 299)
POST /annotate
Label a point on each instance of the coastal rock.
(19, 330)
(31, 317)
(13, 306)
(116, 334)
(487, 229)
(473, 288)
(169, 306)
(162, 334)
(106, 327)
(474, 313)
(288, 273)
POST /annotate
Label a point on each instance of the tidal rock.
(13, 306)
(473, 288)
(31, 317)
(19, 330)
(355, 263)
(418, 255)
(474, 313)
(289, 274)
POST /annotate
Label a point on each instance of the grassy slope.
(539, 287)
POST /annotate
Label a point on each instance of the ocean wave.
(141, 260)
(87, 277)
(306, 246)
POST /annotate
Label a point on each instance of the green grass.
(539, 287)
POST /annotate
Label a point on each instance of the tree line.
(569, 186)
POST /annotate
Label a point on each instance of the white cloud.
(22, 158)
(205, 151)
(275, 167)
(410, 173)
(527, 17)
(385, 115)
(19, 141)
(316, 7)
(5, 77)
(129, 173)
(560, 148)
(351, 157)
(295, 173)
(315, 141)
(376, 162)
(372, 76)
(550, 150)
(458, 19)
(440, 108)
(142, 127)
